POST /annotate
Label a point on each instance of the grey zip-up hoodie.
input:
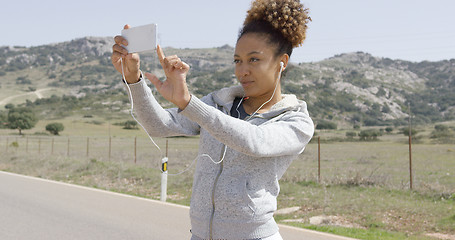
(236, 198)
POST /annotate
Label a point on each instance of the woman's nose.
(242, 70)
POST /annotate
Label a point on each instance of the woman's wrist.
(134, 77)
(186, 100)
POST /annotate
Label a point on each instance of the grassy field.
(364, 187)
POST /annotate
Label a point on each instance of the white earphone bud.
(281, 67)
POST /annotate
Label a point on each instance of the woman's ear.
(285, 59)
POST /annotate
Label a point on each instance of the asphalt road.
(34, 208)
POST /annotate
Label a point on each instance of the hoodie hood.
(289, 102)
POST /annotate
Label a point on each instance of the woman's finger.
(120, 40)
(180, 65)
(172, 61)
(115, 57)
(160, 53)
(119, 49)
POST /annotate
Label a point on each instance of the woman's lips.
(246, 83)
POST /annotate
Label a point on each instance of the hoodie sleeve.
(157, 121)
(288, 136)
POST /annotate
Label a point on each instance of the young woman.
(249, 134)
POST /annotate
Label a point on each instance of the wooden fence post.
(68, 148)
(110, 144)
(135, 149)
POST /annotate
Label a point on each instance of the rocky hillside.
(350, 89)
(383, 89)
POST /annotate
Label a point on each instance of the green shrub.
(130, 124)
(14, 144)
(405, 131)
(323, 124)
(443, 134)
(54, 128)
(351, 134)
(369, 134)
(23, 80)
(441, 127)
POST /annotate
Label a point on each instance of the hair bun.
(287, 16)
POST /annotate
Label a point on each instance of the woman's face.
(256, 66)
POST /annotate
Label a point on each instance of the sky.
(412, 30)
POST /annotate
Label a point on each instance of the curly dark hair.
(284, 22)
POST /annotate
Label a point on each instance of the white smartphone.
(141, 38)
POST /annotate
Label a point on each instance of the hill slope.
(76, 77)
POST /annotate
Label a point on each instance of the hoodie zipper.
(213, 191)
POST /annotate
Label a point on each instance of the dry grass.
(365, 184)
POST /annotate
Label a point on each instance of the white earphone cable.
(151, 139)
(201, 155)
(273, 94)
(132, 107)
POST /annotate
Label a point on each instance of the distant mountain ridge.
(351, 88)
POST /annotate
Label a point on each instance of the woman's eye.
(254, 59)
(236, 61)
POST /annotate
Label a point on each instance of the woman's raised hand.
(174, 89)
(131, 61)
